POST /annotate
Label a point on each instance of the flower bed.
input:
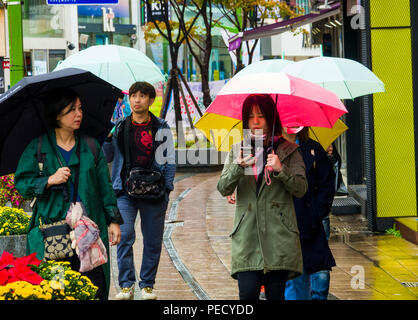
(14, 225)
(13, 221)
(8, 192)
(28, 278)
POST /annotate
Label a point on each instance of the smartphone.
(246, 151)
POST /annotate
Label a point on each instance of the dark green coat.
(265, 235)
(95, 191)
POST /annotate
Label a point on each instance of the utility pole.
(14, 18)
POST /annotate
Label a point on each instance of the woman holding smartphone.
(265, 238)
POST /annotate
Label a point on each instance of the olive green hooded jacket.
(94, 189)
(265, 235)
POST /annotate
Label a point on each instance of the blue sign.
(80, 2)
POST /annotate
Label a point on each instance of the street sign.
(5, 64)
(80, 2)
(155, 12)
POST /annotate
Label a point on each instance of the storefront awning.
(283, 26)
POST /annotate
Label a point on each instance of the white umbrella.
(347, 78)
(118, 65)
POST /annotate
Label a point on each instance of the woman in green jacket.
(54, 188)
(265, 238)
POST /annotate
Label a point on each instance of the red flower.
(18, 269)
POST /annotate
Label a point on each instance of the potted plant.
(28, 278)
(14, 224)
(8, 192)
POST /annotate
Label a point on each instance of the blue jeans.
(298, 288)
(320, 285)
(152, 228)
(320, 280)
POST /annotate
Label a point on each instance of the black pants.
(96, 276)
(250, 282)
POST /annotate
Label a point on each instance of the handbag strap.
(77, 170)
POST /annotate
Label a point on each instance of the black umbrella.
(21, 114)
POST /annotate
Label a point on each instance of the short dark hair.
(267, 107)
(57, 100)
(144, 87)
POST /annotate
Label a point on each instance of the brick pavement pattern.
(369, 266)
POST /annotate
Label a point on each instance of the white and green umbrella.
(269, 65)
(118, 65)
(347, 78)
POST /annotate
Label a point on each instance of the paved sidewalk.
(195, 261)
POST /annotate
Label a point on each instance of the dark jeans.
(250, 282)
(152, 228)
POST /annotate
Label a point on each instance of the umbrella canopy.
(223, 131)
(118, 65)
(270, 65)
(21, 114)
(299, 103)
(326, 136)
(347, 78)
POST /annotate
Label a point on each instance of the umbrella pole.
(274, 125)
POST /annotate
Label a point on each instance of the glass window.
(94, 14)
(122, 40)
(40, 62)
(41, 20)
(55, 56)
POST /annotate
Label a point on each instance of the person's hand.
(110, 135)
(245, 162)
(231, 198)
(60, 176)
(273, 162)
(114, 234)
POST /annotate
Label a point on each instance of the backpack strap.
(41, 160)
(91, 143)
(127, 155)
(40, 156)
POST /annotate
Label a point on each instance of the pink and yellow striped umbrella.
(299, 103)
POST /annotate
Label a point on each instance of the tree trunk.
(240, 65)
(181, 139)
(206, 60)
(207, 99)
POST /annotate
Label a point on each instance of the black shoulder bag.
(142, 183)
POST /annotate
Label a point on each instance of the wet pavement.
(195, 260)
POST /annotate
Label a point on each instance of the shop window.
(55, 56)
(40, 62)
(28, 64)
(41, 20)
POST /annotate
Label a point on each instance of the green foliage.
(66, 283)
(13, 221)
(393, 232)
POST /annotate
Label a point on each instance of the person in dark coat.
(311, 209)
(335, 158)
